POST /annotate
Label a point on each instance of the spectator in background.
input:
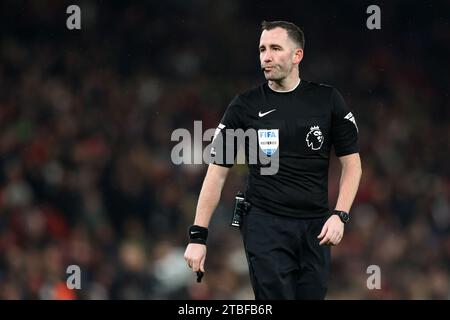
(85, 124)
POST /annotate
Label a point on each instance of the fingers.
(332, 237)
(331, 233)
(202, 264)
(327, 238)
(338, 240)
(196, 265)
(193, 264)
(195, 257)
(188, 260)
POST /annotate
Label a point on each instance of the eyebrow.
(271, 46)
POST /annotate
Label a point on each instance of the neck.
(286, 84)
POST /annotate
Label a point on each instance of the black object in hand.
(199, 276)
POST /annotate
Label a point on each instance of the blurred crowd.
(86, 117)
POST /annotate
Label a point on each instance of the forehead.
(274, 36)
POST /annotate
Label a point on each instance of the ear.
(298, 56)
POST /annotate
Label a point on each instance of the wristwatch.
(344, 216)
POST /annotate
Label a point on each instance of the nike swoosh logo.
(265, 113)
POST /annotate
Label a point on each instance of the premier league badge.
(268, 140)
(314, 138)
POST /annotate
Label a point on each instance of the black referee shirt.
(301, 125)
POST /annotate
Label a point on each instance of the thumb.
(323, 232)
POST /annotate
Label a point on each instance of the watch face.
(345, 216)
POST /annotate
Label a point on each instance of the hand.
(195, 256)
(332, 231)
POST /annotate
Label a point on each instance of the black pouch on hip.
(241, 208)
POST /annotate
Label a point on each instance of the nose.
(267, 56)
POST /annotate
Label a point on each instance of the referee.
(290, 228)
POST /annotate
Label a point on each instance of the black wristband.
(198, 234)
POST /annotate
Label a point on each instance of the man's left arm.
(344, 137)
(333, 230)
(349, 182)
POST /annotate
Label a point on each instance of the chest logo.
(268, 140)
(314, 138)
(261, 114)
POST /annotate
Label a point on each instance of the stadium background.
(86, 118)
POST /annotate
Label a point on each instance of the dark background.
(86, 118)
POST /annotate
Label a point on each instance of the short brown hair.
(294, 32)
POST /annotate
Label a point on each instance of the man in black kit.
(289, 229)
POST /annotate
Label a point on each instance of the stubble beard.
(275, 75)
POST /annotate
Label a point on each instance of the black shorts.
(284, 256)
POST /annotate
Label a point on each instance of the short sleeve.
(344, 130)
(224, 143)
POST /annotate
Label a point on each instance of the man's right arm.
(210, 194)
(208, 200)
